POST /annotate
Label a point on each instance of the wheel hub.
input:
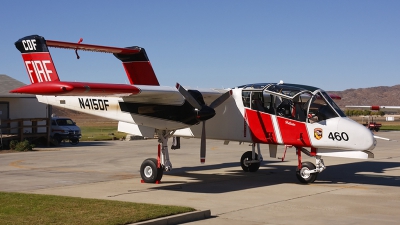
(245, 162)
(305, 173)
(148, 172)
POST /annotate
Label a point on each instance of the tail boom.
(60, 88)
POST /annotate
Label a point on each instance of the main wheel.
(246, 166)
(304, 174)
(149, 171)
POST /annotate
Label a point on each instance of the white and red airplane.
(264, 113)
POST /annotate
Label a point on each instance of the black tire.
(302, 174)
(249, 167)
(74, 141)
(149, 171)
(57, 139)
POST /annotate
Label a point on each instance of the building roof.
(7, 84)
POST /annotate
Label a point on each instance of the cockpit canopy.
(293, 101)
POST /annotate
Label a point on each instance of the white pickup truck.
(65, 129)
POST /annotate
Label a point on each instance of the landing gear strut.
(152, 169)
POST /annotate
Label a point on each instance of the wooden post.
(48, 123)
(34, 127)
(21, 129)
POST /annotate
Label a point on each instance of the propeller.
(204, 113)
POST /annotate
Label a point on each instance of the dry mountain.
(381, 95)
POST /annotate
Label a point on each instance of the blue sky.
(334, 45)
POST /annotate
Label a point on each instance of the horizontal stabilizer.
(92, 48)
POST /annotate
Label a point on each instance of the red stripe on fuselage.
(262, 129)
(260, 126)
(293, 132)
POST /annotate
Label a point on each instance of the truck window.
(65, 122)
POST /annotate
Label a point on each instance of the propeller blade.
(203, 144)
(192, 101)
(221, 99)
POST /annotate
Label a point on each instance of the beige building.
(20, 108)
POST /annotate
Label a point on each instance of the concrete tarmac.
(349, 191)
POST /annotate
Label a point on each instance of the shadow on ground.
(372, 173)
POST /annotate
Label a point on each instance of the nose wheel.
(306, 174)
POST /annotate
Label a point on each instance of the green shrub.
(23, 146)
(13, 144)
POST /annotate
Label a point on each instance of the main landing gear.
(250, 160)
(152, 169)
(306, 172)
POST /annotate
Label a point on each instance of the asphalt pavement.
(349, 191)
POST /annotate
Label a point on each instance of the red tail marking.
(40, 67)
(140, 73)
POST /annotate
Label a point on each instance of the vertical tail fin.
(37, 59)
(138, 67)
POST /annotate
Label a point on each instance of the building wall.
(26, 108)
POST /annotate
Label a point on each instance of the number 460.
(338, 136)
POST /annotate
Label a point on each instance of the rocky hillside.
(381, 95)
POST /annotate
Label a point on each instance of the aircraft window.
(320, 110)
(300, 104)
(285, 108)
(257, 101)
(292, 109)
(246, 98)
(283, 89)
(333, 104)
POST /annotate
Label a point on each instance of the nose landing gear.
(307, 172)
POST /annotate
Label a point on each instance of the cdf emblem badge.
(318, 133)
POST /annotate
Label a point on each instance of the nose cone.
(358, 137)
